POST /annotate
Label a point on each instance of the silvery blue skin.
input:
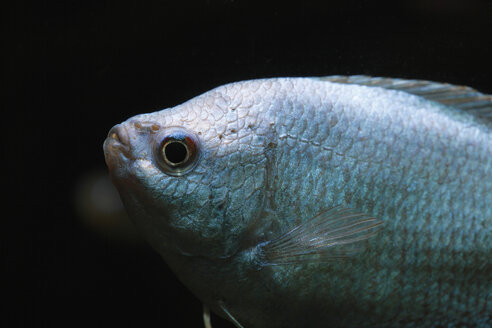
(270, 156)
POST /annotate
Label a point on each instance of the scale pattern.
(424, 168)
(277, 152)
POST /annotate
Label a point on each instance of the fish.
(338, 201)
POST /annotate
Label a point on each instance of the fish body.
(249, 224)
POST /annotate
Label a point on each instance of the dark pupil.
(175, 152)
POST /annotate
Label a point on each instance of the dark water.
(75, 69)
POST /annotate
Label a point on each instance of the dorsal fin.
(460, 97)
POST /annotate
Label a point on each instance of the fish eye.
(177, 151)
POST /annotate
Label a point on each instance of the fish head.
(193, 177)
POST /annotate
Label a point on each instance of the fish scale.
(261, 230)
(442, 230)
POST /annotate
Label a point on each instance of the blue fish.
(341, 201)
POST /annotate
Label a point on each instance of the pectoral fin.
(336, 233)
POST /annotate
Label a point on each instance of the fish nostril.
(113, 135)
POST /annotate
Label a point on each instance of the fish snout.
(119, 134)
(116, 145)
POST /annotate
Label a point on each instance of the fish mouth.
(117, 145)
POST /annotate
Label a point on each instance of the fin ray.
(229, 315)
(206, 317)
(323, 238)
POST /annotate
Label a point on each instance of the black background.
(73, 69)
